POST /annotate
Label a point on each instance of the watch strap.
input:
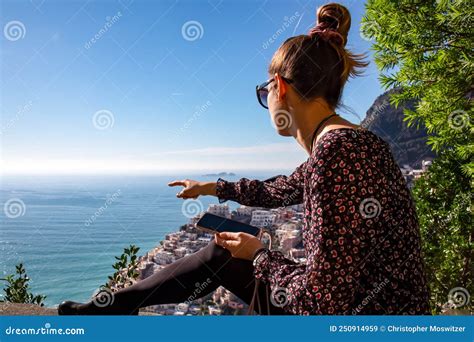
(258, 255)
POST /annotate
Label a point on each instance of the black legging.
(207, 269)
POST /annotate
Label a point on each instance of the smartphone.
(216, 224)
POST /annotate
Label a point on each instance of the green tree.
(425, 47)
(126, 269)
(17, 290)
(444, 210)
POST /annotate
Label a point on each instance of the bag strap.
(257, 283)
(252, 302)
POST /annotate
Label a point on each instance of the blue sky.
(151, 87)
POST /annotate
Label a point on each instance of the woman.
(360, 233)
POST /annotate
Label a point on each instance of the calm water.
(68, 243)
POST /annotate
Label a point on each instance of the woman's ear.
(281, 87)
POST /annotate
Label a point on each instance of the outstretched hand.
(193, 189)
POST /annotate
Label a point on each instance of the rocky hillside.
(19, 309)
(408, 144)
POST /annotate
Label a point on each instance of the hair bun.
(333, 23)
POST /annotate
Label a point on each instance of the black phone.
(216, 224)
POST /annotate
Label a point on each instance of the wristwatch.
(260, 256)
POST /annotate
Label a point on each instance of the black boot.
(74, 308)
(71, 308)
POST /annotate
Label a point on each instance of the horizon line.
(143, 173)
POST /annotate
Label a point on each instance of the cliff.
(19, 309)
(408, 144)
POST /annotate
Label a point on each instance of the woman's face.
(279, 111)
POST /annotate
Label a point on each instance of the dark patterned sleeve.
(326, 283)
(278, 191)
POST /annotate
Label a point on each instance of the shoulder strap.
(255, 295)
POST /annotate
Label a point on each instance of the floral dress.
(360, 234)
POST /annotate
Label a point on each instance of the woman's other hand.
(193, 189)
(240, 245)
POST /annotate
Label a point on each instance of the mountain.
(408, 144)
(220, 174)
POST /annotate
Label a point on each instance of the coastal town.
(284, 224)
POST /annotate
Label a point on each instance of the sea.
(66, 230)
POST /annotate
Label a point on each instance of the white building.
(206, 238)
(180, 252)
(425, 164)
(262, 218)
(245, 210)
(219, 210)
(288, 227)
(298, 255)
(214, 310)
(289, 235)
(164, 258)
(290, 241)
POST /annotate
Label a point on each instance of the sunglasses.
(262, 91)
